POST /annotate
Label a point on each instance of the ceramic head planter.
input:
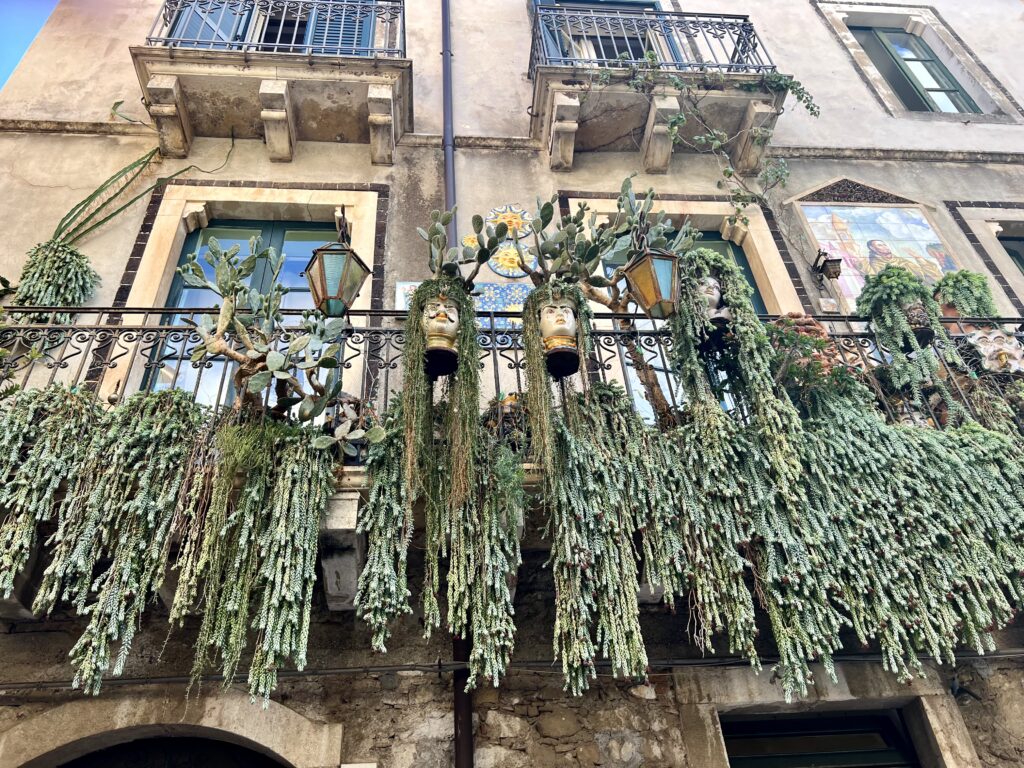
(559, 329)
(998, 351)
(711, 289)
(440, 323)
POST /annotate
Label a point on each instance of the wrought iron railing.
(363, 28)
(581, 37)
(115, 352)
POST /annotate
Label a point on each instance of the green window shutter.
(341, 32)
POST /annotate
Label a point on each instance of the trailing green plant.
(111, 545)
(56, 274)
(386, 520)
(253, 548)
(486, 595)
(925, 527)
(968, 292)
(885, 299)
(765, 462)
(44, 436)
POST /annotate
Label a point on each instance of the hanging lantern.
(336, 273)
(652, 277)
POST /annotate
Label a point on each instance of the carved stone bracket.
(278, 119)
(381, 103)
(657, 144)
(167, 108)
(749, 146)
(196, 216)
(342, 550)
(565, 115)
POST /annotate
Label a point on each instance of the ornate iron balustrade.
(687, 42)
(363, 28)
(115, 352)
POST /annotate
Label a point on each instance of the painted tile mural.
(867, 238)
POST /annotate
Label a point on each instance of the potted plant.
(900, 307)
(965, 294)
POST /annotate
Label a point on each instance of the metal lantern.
(336, 273)
(652, 277)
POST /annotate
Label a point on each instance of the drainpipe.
(463, 701)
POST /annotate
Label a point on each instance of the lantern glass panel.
(663, 269)
(353, 280)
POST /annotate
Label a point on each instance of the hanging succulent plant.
(494, 560)
(44, 436)
(905, 320)
(386, 520)
(253, 547)
(768, 473)
(56, 274)
(967, 292)
(120, 518)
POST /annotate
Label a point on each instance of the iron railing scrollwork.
(597, 38)
(359, 28)
(115, 352)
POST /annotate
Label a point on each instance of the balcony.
(282, 71)
(582, 63)
(116, 352)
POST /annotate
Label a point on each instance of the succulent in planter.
(248, 331)
(905, 320)
(965, 294)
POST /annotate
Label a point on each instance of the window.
(913, 71)
(847, 741)
(296, 240)
(301, 27)
(1014, 247)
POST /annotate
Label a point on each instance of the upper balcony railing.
(362, 28)
(115, 352)
(688, 42)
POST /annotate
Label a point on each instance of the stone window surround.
(185, 205)
(776, 276)
(995, 102)
(981, 222)
(933, 719)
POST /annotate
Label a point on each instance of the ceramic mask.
(558, 324)
(441, 323)
(712, 290)
(1000, 352)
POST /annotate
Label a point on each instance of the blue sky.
(20, 22)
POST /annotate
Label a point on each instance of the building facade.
(273, 117)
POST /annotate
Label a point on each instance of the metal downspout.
(463, 700)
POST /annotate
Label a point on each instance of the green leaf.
(191, 280)
(478, 223)
(547, 213)
(282, 375)
(349, 449)
(355, 434)
(258, 382)
(501, 231)
(299, 344)
(335, 325)
(323, 441)
(306, 408)
(275, 360)
(375, 434)
(328, 362)
(598, 282)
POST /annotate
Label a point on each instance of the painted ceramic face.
(712, 290)
(999, 351)
(558, 318)
(441, 318)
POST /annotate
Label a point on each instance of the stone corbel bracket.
(657, 144)
(565, 115)
(167, 108)
(380, 99)
(196, 216)
(278, 116)
(342, 550)
(752, 140)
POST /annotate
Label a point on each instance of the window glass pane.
(909, 46)
(924, 76)
(298, 247)
(890, 70)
